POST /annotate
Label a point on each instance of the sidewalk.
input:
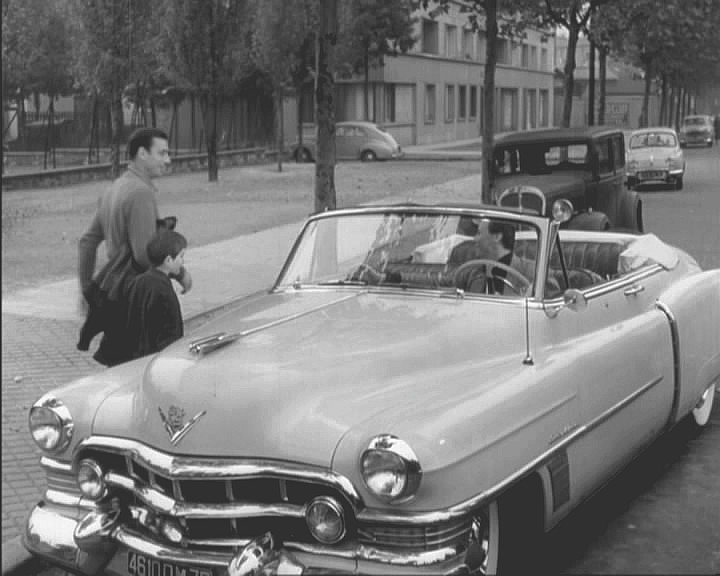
(40, 327)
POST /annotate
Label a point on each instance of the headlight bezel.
(96, 469)
(59, 412)
(388, 445)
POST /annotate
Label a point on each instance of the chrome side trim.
(210, 343)
(188, 467)
(466, 507)
(675, 338)
(162, 503)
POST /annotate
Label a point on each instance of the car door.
(618, 351)
(607, 185)
(343, 138)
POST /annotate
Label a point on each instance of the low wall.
(182, 163)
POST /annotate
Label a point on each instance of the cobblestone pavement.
(38, 354)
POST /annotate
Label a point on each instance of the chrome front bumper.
(98, 542)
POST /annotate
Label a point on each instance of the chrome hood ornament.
(175, 425)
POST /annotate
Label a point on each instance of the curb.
(17, 561)
(440, 157)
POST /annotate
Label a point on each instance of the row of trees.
(214, 49)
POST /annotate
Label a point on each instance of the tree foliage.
(207, 44)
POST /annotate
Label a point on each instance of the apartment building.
(434, 93)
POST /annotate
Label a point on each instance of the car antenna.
(528, 361)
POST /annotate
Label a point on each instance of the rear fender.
(692, 307)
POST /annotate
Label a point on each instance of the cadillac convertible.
(424, 390)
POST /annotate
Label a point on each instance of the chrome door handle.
(634, 289)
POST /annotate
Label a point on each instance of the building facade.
(434, 93)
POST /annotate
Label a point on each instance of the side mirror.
(575, 300)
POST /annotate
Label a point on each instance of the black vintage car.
(585, 167)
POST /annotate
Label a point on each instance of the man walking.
(126, 220)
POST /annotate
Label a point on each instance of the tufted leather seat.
(599, 257)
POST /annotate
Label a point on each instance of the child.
(154, 317)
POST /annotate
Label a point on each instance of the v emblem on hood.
(175, 425)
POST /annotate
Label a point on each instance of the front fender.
(588, 221)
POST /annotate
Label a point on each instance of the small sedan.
(355, 141)
(654, 157)
(697, 129)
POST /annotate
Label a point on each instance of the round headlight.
(50, 424)
(562, 210)
(390, 469)
(325, 519)
(90, 479)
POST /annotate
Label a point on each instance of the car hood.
(553, 185)
(310, 366)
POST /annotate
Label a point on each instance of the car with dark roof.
(585, 166)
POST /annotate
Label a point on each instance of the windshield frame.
(540, 223)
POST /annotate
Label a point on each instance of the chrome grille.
(417, 538)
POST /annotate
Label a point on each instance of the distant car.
(364, 141)
(435, 416)
(654, 157)
(585, 166)
(697, 130)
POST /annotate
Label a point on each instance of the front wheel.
(679, 183)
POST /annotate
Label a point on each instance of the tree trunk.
(93, 126)
(366, 65)
(663, 99)
(603, 80)
(116, 131)
(645, 114)
(678, 104)
(280, 127)
(574, 32)
(22, 120)
(299, 156)
(325, 108)
(211, 138)
(591, 85)
(491, 32)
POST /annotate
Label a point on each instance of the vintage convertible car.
(386, 407)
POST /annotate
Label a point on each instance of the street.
(661, 515)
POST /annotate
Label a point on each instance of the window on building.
(525, 56)
(429, 103)
(389, 102)
(530, 111)
(503, 51)
(533, 58)
(449, 103)
(508, 109)
(544, 64)
(451, 41)
(467, 44)
(473, 101)
(544, 108)
(515, 53)
(480, 46)
(430, 43)
(462, 102)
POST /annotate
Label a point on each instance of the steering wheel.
(591, 278)
(489, 265)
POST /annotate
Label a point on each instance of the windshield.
(653, 140)
(696, 121)
(416, 250)
(536, 158)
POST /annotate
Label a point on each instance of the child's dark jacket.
(154, 315)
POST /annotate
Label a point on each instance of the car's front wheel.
(702, 410)
(679, 183)
(507, 533)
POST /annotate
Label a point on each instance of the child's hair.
(165, 243)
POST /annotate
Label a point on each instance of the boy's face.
(174, 264)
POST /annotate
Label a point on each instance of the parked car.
(697, 129)
(383, 409)
(364, 141)
(654, 156)
(585, 166)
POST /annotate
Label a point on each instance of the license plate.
(652, 175)
(140, 565)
